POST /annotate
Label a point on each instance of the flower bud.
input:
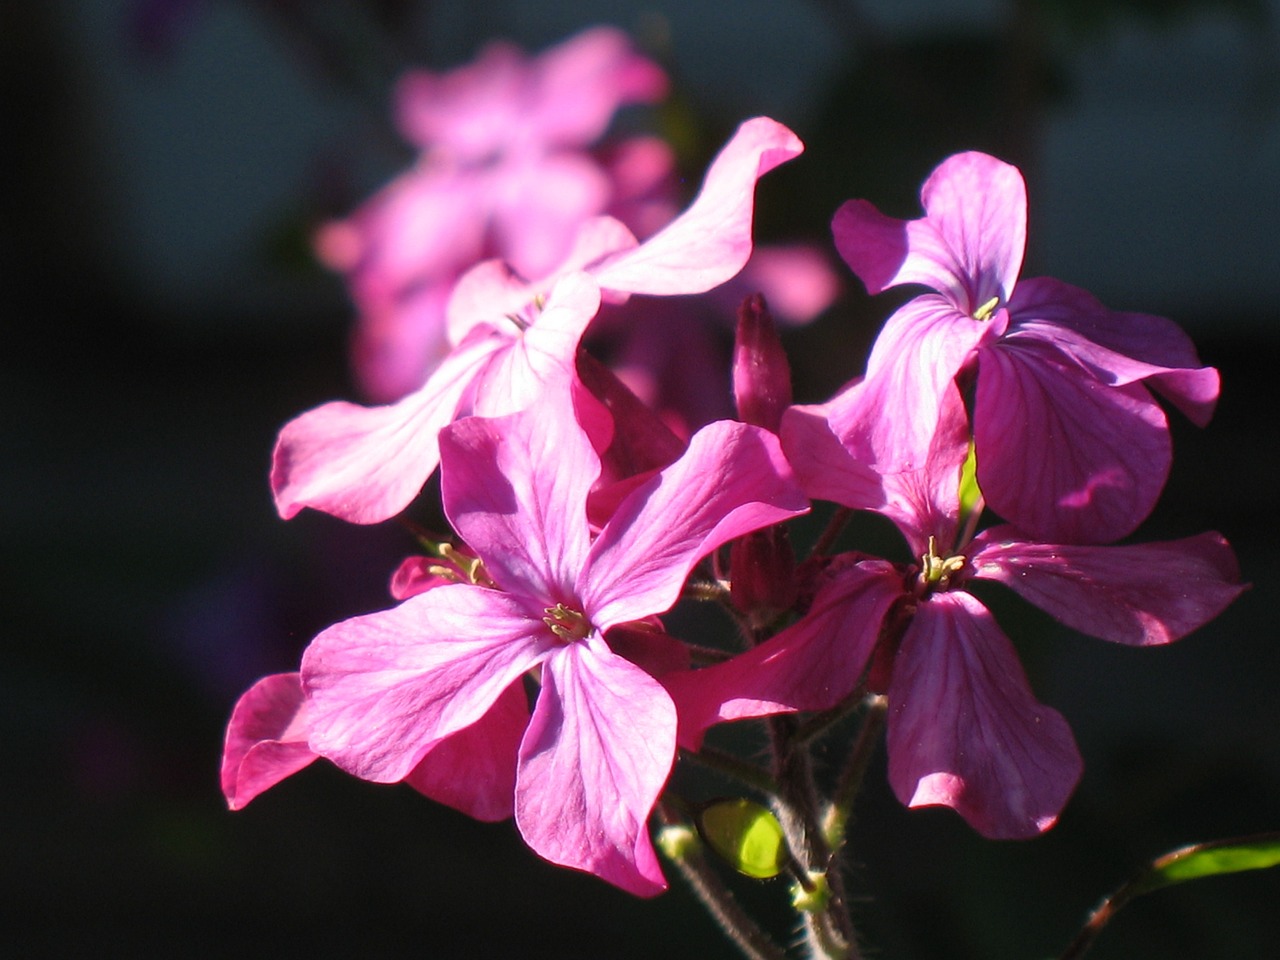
(762, 569)
(761, 374)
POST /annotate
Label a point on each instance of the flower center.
(569, 625)
(935, 571)
(985, 311)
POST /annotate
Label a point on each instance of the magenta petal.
(965, 730)
(597, 753)
(826, 468)
(732, 479)
(474, 770)
(1116, 347)
(812, 665)
(385, 687)
(911, 370)
(711, 241)
(515, 488)
(266, 738)
(365, 464)
(1138, 594)
(968, 246)
(1062, 456)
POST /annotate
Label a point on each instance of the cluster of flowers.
(525, 671)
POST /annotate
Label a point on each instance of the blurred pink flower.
(503, 172)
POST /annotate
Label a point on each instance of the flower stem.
(840, 812)
(740, 770)
(687, 856)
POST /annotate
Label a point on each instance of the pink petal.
(796, 279)
(385, 687)
(812, 665)
(968, 246)
(1061, 455)
(910, 372)
(266, 738)
(365, 464)
(597, 753)
(711, 240)
(825, 467)
(1116, 347)
(585, 79)
(541, 355)
(1139, 594)
(538, 206)
(965, 730)
(515, 488)
(732, 479)
(474, 770)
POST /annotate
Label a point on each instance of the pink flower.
(1071, 445)
(384, 690)
(365, 464)
(503, 172)
(964, 727)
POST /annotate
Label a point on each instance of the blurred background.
(168, 162)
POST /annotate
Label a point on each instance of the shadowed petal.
(385, 687)
(1116, 347)
(965, 730)
(732, 479)
(1061, 455)
(812, 665)
(1139, 594)
(598, 750)
(266, 738)
(474, 770)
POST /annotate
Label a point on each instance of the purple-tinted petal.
(812, 665)
(731, 480)
(383, 688)
(266, 738)
(1061, 455)
(1139, 594)
(474, 770)
(598, 750)
(711, 240)
(1116, 347)
(826, 468)
(912, 366)
(965, 730)
(515, 488)
(365, 464)
(968, 246)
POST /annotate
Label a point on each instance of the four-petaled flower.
(1071, 445)
(382, 690)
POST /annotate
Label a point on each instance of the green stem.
(840, 812)
(832, 532)
(740, 770)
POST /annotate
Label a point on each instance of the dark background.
(163, 319)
